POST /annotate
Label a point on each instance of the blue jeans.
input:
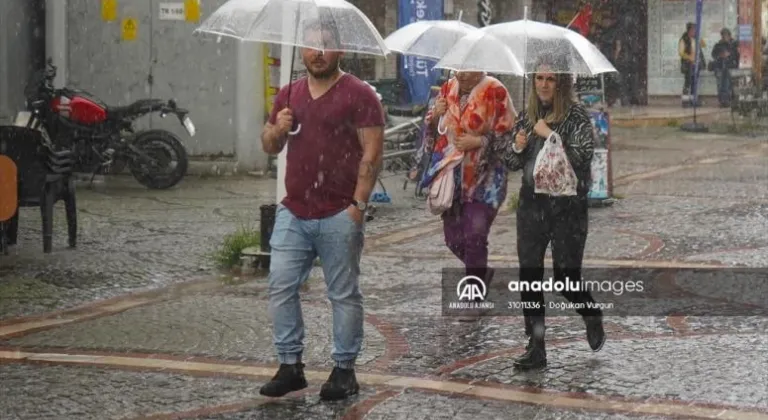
(338, 241)
(723, 77)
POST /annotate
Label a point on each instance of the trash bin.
(268, 212)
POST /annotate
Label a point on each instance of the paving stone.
(416, 405)
(131, 238)
(81, 393)
(714, 368)
(308, 407)
(215, 326)
(602, 242)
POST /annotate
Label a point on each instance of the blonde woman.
(543, 219)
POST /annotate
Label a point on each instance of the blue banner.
(418, 72)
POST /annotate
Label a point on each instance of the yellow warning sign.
(109, 10)
(192, 10)
(130, 28)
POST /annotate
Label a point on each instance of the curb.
(708, 116)
(196, 168)
(221, 168)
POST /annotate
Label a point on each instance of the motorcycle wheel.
(169, 159)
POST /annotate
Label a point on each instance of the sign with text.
(418, 73)
(615, 291)
(171, 11)
(484, 13)
(745, 29)
(601, 161)
(590, 90)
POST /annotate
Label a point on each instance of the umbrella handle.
(439, 123)
(296, 131)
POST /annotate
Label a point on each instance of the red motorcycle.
(102, 138)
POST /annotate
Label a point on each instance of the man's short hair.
(323, 25)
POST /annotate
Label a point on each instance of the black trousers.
(563, 222)
(688, 75)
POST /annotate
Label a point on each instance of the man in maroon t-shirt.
(331, 169)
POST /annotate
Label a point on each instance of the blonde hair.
(562, 100)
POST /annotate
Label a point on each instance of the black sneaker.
(341, 384)
(288, 378)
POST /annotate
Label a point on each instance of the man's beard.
(324, 74)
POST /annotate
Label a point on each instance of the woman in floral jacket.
(470, 105)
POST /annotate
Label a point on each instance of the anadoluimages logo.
(471, 294)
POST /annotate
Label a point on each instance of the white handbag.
(440, 197)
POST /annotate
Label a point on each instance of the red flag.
(582, 20)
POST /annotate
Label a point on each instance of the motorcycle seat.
(142, 106)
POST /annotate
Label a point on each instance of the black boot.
(535, 356)
(595, 332)
(528, 332)
(341, 384)
(288, 378)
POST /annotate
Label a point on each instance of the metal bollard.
(267, 223)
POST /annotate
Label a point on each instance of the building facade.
(22, 52)
(652, 28)
(655, 27)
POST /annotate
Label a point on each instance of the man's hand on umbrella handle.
(284, 121)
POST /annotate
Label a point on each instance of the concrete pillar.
(56, 38)
(250, 99)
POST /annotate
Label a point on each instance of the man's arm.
(272, 142)
(372, 142)
(272, 139)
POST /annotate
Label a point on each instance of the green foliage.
(228, 255)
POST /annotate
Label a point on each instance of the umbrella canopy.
(284, 22)
(564, 50)
(428, 38)
(481, 51)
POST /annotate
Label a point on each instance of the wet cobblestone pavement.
(189, 343)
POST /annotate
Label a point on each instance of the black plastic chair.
(45, 177)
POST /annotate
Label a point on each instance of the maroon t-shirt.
(323, 159)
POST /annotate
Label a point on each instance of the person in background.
(725, 56)
(470, 106)
(687, 49)
(331, 168)
(543, 219)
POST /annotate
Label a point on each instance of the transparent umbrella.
(428, 38)
(481, 51)
(564, 50)
(285, 21)
(280, 22)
